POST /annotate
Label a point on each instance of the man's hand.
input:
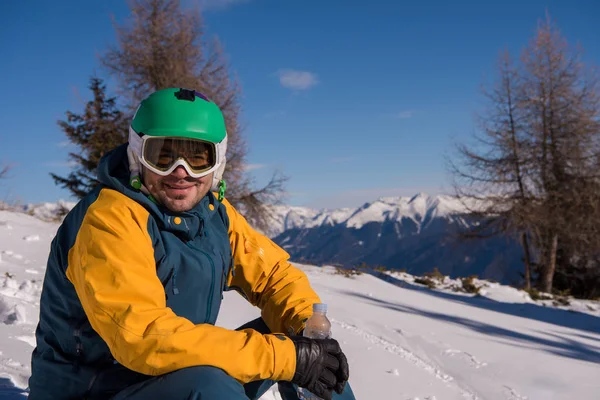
(321, 366)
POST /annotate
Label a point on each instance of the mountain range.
(416, 234)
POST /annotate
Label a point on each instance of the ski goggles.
(162, 155)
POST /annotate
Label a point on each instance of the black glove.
(321, 366)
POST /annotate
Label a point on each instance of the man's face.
(178, 191)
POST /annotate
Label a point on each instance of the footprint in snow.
(407, 355)
(32, 271)
(474, 362)
(512, 394)
(5, 225)
(12, 254)
(30, 340)
(32, 238)
(11, 313)
(11, 363)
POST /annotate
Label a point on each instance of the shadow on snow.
(8, 391)
(558, 343)
(564, 318)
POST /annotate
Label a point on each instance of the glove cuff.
(284, 351)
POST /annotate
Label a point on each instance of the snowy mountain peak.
(418, 208)
(419, 196)
(420, 204)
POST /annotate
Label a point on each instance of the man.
(137, 270)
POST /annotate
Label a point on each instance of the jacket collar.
(113, 173)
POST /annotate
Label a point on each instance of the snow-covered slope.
(44, 211)
(403, 341)
(24, 246)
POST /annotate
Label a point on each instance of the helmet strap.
(222, 188)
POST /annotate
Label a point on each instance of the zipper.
(213, 271)
(222, 285)
(78, 345)
(212, 286)
(175, 290)
(223, 276)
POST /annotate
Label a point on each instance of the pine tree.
(163, 45)
(99, 129)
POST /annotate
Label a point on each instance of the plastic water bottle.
(318, 326)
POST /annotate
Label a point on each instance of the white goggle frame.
(179, 162)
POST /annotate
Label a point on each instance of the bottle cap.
(320, 307)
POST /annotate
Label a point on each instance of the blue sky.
(352, 100)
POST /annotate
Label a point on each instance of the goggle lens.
(162, 153)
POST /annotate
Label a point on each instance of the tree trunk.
(525, 244)
(550, 267)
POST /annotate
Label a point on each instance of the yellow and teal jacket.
(131, 287)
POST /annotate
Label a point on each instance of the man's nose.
(180, 172)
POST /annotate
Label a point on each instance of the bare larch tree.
(490, 175)
(561, 110)
(163, 45)
(534, 168)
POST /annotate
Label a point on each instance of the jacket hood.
(113, 173)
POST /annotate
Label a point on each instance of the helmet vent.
(189, 95)
(185, 94)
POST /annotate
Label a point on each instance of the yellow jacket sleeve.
(113, 270)
(262, 272)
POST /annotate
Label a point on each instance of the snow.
(378, 211)
(403, 340)
(49, 211)
(415, 208)
(289, 217)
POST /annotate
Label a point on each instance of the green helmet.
(182, 114)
